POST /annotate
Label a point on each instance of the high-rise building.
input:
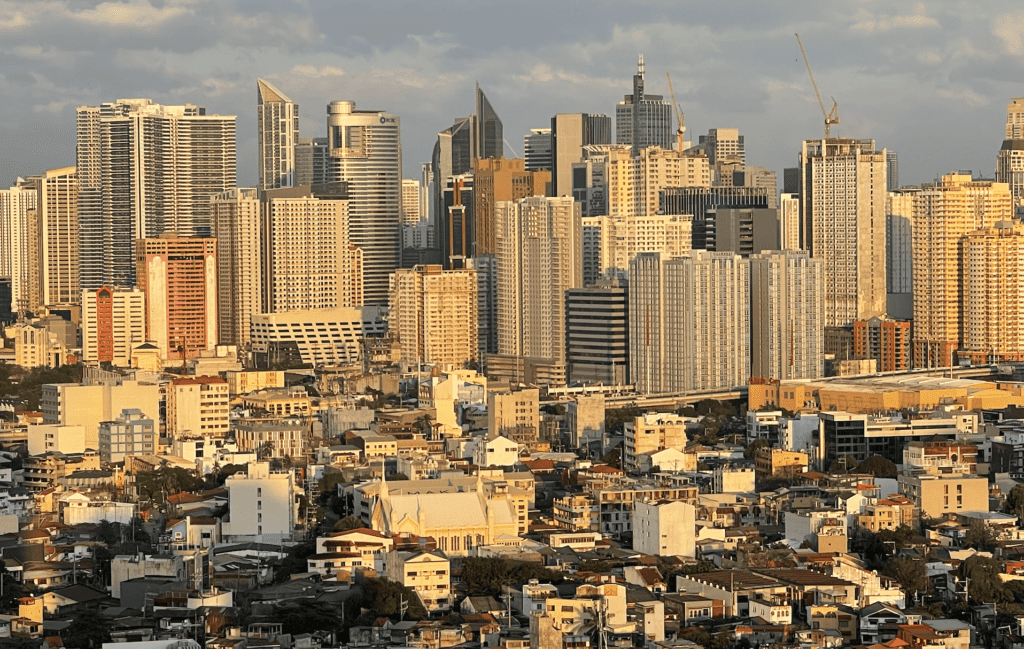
(309, 260)
(410, 201)
(113, 324)
(945, 213)
(145, 169)
(610, 244)
(643, 120)
(19, 243)
(537, 149)
(844, 197)
(1015, 119)
(277, 126)
(490, 139)
(883, 340)
(311, 161)
(892, 171)
(1010, 161)
(993, 294)
(366, 154)
(179, 279)
(58, 238)
(789, 221)
(689, 322)
(6, 300)
(433, 314)
(539, 253)
(496, 180)
(745, 231)
(899, 252)
(198, 405)
(787, 310)
(456, 224)
(732, 173)
(486, 267)
(597, 334)
(236, 226)
(570, 132)
(700, 204)
(724, 145)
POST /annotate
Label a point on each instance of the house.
(834, 617)
(426, 573)
(62, 599)
(190, 533)
(879, 621)
(649, 578)
(370, 545)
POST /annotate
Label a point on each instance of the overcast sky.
(929, 80)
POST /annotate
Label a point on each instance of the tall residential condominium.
(145, 169)
(366, 155)
(309, 261)
(643, 120)
(723, 145)
(789, 221)
(945, 213)
(19, 243)
(539, 254)
(611, 243)
(537, 149)
(689, 322)
(410, 201)
(597, 333)
(844, 198)
(901, 205)
(993, 294)
(179, 278)
(311, 161)
(277, 127)
(1010, 160)
(433, 315)
(496, 180)
(570, 132)
(486, 267)
(892, 171)
(58, 238)
(236, 226)
(787, 330)
(883, 340)
(113, 324)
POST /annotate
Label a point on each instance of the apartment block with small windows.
(198, 405)
(936, 495)
(428, 574)
(262, 505)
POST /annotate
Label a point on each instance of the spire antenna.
(640, 69)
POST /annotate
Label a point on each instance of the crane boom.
(830, 116)
(681, 128)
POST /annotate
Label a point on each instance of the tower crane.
(831, 117)
(681, 128)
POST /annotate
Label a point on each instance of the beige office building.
(539, 257)
(993, 294)
(843, 196)
(946, 212)
(936, 495)
(236, 226)
(58, 238)
(308, 259)
(434, 315)
(411, 202)
(788, 316)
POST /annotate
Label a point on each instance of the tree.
(878, 466)
(348, 523)
(398, 477)
(613, 458)
(985, 585)
(87, 631)
(385, 597)
(896, 539)
(843, 464)
(12, 589)
(1015, 501)
(980, 537)
(295, 561)
(486, 575)
(754, 447)
(615, 418)
(910, 573)
(307, 616)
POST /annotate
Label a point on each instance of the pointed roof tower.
(490, 139)
(268, 94)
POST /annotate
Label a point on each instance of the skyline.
(900, 72)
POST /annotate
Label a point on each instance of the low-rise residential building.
(198, 405)
(777, 463)
(664, 528)
(887, 514)
(936, 495)
(262, 505)
(130, 434)
(879, 622)
(428, 574)
(615, 503)
(370, 545)
(272, 437)
(578, 512)
(654, 432)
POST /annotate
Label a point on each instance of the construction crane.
(831, 117)
(681, 128)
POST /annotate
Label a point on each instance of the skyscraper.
(993, 293)
(722, 145)
(366, 155)
(19, 243)
(787, 310)
(945, 213)
(539, 251)
(843, 196)
(689, 322)
(570, 132)
(490, 138)
(410, 201)
(309, 261)
(179, 279)
(277, 124)
(433, 314)
(537, 149)
(643, 120)
(236, 226)
(892, 171)
(899, 252)
(597, 333)
(495, 180)
(145, 169)
(58, 238)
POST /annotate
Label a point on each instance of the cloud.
(965, 96)
(869, 23)
(1009, 29)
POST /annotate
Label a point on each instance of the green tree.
(615, 418)
(385, 597)
(878, 466)
(348, 523)
(896, 539)
(980, 537)
(486, 575)
(295, 561)
(87, 631)
(985, 584)
(1015, 501)
(843, 464)
(754, 447)
(307, 616)
(911, 574)
(12, 589)
(613, 458)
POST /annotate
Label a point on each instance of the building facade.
(58, 238)
(993, 291)
(198, 406)
(314, 337)
(113, 323)
(433, 314)
(643, 120)
(597, 334)
(237, 228)
(277, 132)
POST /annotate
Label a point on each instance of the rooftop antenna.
(831, 117)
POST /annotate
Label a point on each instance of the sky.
(929, 80)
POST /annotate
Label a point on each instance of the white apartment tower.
(643, 120)
(277, 123)
(787, 333)
(19, 251)
(843, 196)
(434, 315)
(411, 199)
(236, 226)
(58, 238)
(143, 170)
(539, 257)
(366, 154)
(1010, 161)
(724, 145)
(113, 323)
(993, 293)
(689, 322)
(309, 261)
